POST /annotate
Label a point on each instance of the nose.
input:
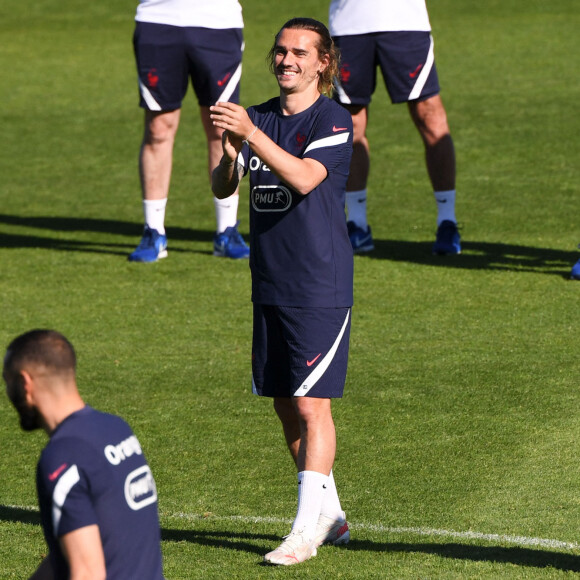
(288, 59)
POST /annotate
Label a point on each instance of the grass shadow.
(19, 515)
(246, 542)
(511, 555)
(475, 256)
(240, 541)
(88, 225)
(479, 256)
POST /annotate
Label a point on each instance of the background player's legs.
(155, 164)
(575, 273)
(156, 155)
(227, 241)
(360, 162)
(430, 119)
(356, 186)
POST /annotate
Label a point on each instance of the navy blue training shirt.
(93, 471)
(300, 253)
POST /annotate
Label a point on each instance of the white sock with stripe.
(226, 212)
(356, 208)
(311, 491)
(154, 211)
(445, 206)
(331, 507)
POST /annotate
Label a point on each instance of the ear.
(28, 385)
(324, 62)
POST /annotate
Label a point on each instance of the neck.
(293, 103)
(64, 410)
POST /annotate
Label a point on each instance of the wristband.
(247, 139)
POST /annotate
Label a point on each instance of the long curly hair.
(325, 46)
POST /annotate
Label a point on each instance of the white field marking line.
(428, 532)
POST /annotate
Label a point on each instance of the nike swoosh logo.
(52, 476)
(223, 81)
(416, 71)
(311, 362)
(335, 128)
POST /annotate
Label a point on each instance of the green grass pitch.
(458, 436)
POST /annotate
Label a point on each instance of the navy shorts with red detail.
(300, 352)
(168, 56)
(406, 61)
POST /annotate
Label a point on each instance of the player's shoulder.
(90, 427)
(270, 106)
(89, 419)
(62, 454)
(332, 118)
(335, 109)
(81, 440)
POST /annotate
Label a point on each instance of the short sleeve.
(331, 142)
(64, 489)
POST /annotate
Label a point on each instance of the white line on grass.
(427, 532)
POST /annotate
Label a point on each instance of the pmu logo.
(271, 198)
(140, 490)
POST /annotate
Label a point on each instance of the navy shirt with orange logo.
(93, 471)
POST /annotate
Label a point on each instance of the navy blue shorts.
(168, 56)
(406, 61)
(300, 352)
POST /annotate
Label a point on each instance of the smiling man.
(97, 496)
(297, 149)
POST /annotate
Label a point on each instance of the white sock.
(330, 503)
(311, 490)
(445, 206)
(356, 208)
(154, 210)
(226, 212)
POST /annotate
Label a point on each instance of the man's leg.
(430, 119)
(356, 186)
(311, 439)
(156, 156)
(227, 242)
(309, 431)
(155, 164)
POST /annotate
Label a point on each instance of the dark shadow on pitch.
(239, 541)
(19, 515)
(74, 225)
(475, 256)
(245, 542)
(479, 256)
(514, 555)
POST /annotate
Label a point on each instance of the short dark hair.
(41, 347)
(325, 46)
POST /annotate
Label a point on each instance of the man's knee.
(284, 408)
(312, 410)
(161, 127)
(358, 114)
(430, 118)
